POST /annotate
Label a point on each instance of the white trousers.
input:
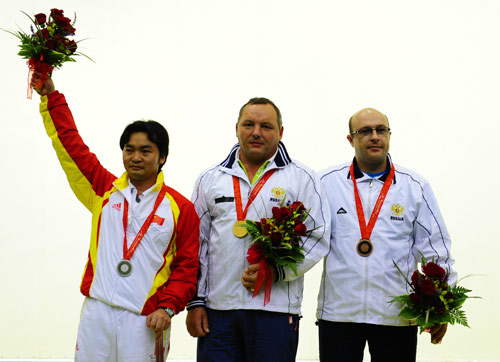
(112, 334)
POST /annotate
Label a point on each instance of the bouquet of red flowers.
(48, 45)
(277, 240)
(432, 300)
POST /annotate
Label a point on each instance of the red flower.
(71, 45)
(433, 270)
(56, 12)
(43, 34)
(68, 29)
(62, 21)
(40, 18)
(416, 298)
(449, 295)
(297, 206)
(428, 287)
(276, 238)
(300, 229)
(267, 229)
(415, 278)
(281, 213)
(51, 44)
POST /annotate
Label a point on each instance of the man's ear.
(351, 141)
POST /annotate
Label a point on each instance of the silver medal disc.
(124, 268)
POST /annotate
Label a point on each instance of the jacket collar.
(359, 174)
(123, 182)
(281, 159)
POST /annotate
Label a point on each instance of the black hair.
(156, 134)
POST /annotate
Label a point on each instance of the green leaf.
(408, 313)
(402, 274)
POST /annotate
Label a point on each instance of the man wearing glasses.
(381, 213)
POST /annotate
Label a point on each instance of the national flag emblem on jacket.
(158, 220)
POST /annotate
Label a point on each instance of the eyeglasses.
(367, 131)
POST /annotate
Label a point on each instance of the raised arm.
(87, 178)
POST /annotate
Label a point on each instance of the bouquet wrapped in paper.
(432, 300)
(48, 45)
(277, 240)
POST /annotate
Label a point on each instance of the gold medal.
(364, 247)
(239, 229)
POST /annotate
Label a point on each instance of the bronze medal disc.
(239, 229)
(124, 268)
(364, 247)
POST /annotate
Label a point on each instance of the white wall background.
(431, 66)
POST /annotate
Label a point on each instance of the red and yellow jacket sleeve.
(86, 176)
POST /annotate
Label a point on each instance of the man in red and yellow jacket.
(143, 258)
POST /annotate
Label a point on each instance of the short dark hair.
(350, 125)
(156, 134)
(262, 100)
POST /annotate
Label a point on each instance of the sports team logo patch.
(277, 193)
(397, 212)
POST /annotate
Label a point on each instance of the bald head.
(366, 113)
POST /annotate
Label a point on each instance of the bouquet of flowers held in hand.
(432, 300)
(277, 240)
(48, 45)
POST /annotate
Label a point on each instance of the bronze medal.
(124, 268)
(239, 229)
(364, 247)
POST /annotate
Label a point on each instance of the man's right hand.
(197, 322)
(48, 86)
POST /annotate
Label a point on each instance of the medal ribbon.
(366, 230)
(240, 213)
(128, 252)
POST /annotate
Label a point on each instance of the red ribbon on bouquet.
(254, 256)
(36, 65)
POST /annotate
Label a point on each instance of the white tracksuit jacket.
(358, 289)
(223, 255)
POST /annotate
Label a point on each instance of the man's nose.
(374, 134)
(257, 132)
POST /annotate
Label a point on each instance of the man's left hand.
(159, 320)
(250, 276)
(437, 332)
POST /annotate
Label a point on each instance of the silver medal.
(124, 268)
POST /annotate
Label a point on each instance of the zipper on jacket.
(367, 289)
(368, 205)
